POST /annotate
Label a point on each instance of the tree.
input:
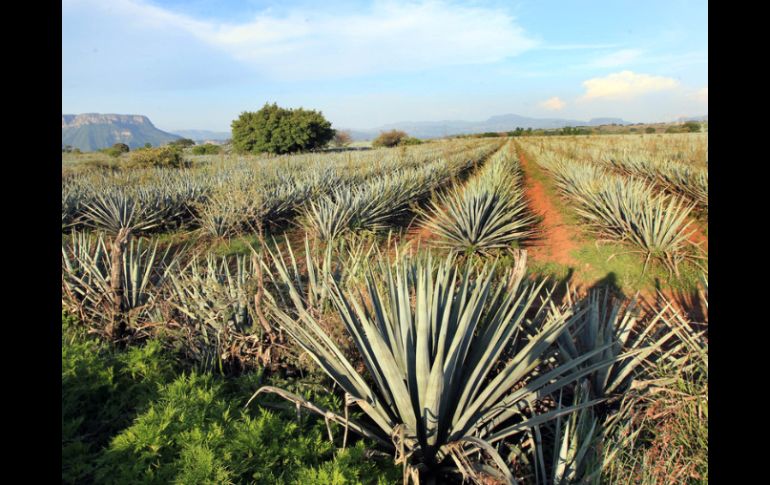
(116, 150)
(274, 129)
(183, 142)
(692, 127)
(649, 129)
(342, 139)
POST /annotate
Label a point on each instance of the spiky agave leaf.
(576, 443)
(434, 355)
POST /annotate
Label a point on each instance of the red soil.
(554, 242)
(697, 236)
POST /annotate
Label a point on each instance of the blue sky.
(197, 64)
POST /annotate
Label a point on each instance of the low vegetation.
(263, 319)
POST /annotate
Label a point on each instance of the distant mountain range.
(93, 131)
(509, 122)
(200, 136)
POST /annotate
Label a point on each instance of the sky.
(198, 64)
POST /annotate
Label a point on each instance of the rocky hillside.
(93, 131)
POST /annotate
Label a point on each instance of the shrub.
(206, 149)
(165, 156)
(274, 129)
(116, 150)
(649, 130)
(182, 143)
(692, 127)
(410, 140)
(389, 138)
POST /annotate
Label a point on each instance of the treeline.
(689, 127)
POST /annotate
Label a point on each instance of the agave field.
(390, 315)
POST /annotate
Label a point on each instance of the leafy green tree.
(183, 142)
(274, 129)
(692, 127)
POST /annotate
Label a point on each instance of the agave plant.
(117, 210)
(87, 286)
(454, 362)
(330, 216)
(213, 298)
(603, 321)
(488, 214)
(340, 261)
(575, 454)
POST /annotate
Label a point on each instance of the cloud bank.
(626, 85)
(553, 104)
(391, 36)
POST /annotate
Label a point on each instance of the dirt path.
(554, 242)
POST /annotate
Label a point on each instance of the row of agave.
(372, 204)
(487, 214)
(469, 369)
(675, 176)
(224, 198)
(626, 209)
(209, 305)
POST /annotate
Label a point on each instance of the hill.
(93, 131)
(500, 123)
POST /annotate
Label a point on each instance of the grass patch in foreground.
(136, 416)
(612, 264)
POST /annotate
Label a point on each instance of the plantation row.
(674, 176)
(233, 195)
(489, 213)
(689, 148)
(626, 209)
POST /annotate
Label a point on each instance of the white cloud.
(702, 95)
(553, 104)
(626, 85)
(619, 58)
(392, 36)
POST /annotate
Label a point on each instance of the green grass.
(137, 416)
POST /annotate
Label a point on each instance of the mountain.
(508, 122)
(693, 118)
(204, 135)
(93, 131)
